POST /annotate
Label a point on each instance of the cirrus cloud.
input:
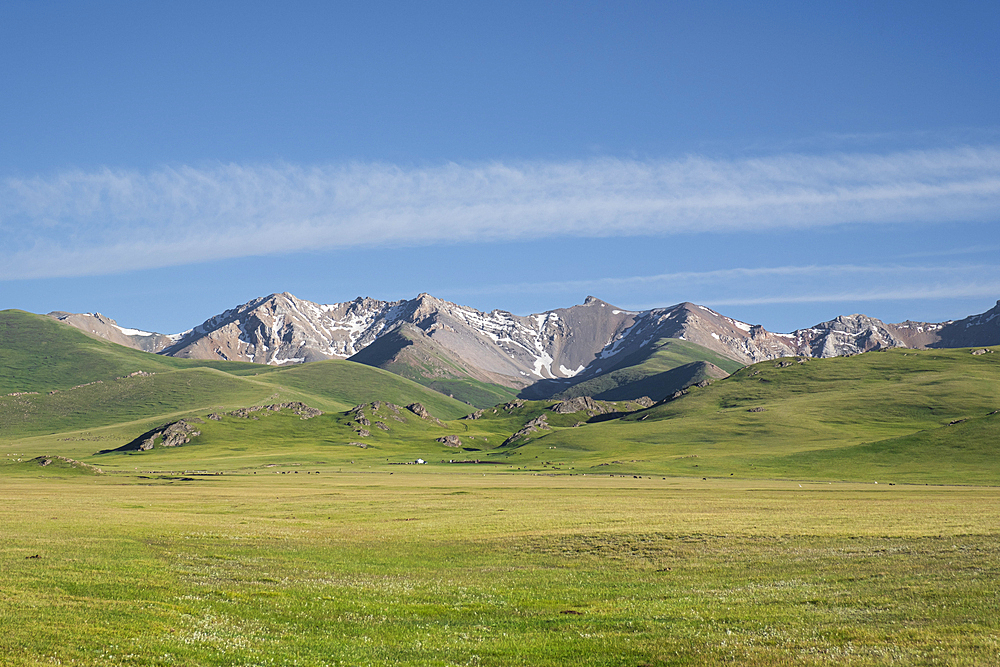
(105, 221)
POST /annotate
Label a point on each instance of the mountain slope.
(656, 370)
(282, 329)
(107, 328)
(449, 340)
(974, 331)
(625, 383)
(408, 351)
(895, 415)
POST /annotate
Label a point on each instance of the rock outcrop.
(173, 434)
(540, 423)
(63, 462)
(419, 410)
(299, 408)
(582, 404)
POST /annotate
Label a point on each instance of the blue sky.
(783, 164)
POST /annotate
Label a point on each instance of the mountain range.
(921, 415)
(481, 357)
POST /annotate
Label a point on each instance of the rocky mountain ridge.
(566, 345)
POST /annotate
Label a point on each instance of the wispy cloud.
(750, 286)
(959, 290)
(85, 223)
(728, 276)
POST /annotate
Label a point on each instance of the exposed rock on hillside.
(379, 411)
(281, 329)
(65, 462)
(299, 408)
(581, 404)
(854, 334)
(419, 410)
(540, 423)
(173, 434)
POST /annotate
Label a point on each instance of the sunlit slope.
(963, 453)
(172, 394)
(342, 384)
(114, 401)
(38, 353)
(893, 416)
(772, 417)
(55, 378)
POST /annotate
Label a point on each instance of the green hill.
(38, 353)
(128, 399)
(346, 383)
(962, 453)
(785, 417)
(376, 433)
(56, 379)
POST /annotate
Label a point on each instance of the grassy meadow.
(838, 511)
(431, 567)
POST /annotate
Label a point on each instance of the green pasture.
(891, 417)
(427, 567)
(894, 416)
(476, 393)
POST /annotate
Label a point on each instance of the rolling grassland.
(463, 568)
(833, 511)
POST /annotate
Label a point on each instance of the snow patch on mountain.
(543, 362)
(134, 332)
(743, 326)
